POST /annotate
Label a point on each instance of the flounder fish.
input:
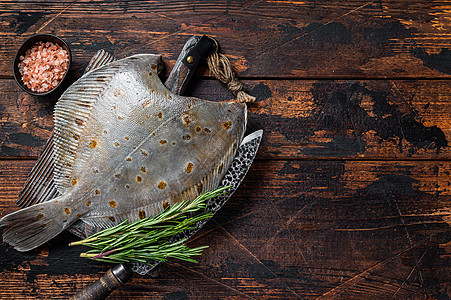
(125, 147)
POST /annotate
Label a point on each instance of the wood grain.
(308, 39)
(350, 195)
(383, 119)
(294, 229)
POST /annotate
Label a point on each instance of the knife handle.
(102, 288)
(190, 56)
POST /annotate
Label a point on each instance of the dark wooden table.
(350, 195)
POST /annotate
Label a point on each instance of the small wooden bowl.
(27, 45)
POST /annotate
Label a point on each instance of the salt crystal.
(42, 64)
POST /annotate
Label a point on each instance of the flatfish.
(125, 147)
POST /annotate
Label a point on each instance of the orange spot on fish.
(207, 130)
(88, 203)
(79, 122)
(154, 67)
(120, 117)
(221, 166)
(117, 92)
(186, 137)
(162, 185)
(150, 73)
(78, 215)
(40, 216)
(144, 153)
(146, 102)
(97, 192)
(160, 115)
(127, 138)
(128, 159)
(198, 129)
(163, 142)
(142, 214)
(116, 144)
(112, 219)
(169, 97)
(74, 181)
(112, 204)
(66, 211)
(165, 205)
(139, 179)
(105, 131)
(127, 186)
(189, 168)
(143, 169)
(227, 125)
(92, 144)
(186, 119)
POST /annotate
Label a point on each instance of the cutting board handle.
(102, 288)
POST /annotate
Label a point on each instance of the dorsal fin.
(72, 111)
(100, 59)
(40, 186)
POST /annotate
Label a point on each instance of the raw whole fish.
(125, 147)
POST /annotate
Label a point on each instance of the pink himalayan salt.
(43, 66)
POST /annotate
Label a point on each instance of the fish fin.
(31, 227)
(71, 112)
(100, 59)
(74, 109)
(40, 186)
(103, 222)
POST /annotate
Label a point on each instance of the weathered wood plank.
(302, 119)
(311, 39)
(338, 229)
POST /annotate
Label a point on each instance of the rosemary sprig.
(148, 239)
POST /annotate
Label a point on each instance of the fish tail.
(31, 227)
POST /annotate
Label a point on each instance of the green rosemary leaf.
(148, 239)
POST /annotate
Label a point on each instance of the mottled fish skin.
(129, 151)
